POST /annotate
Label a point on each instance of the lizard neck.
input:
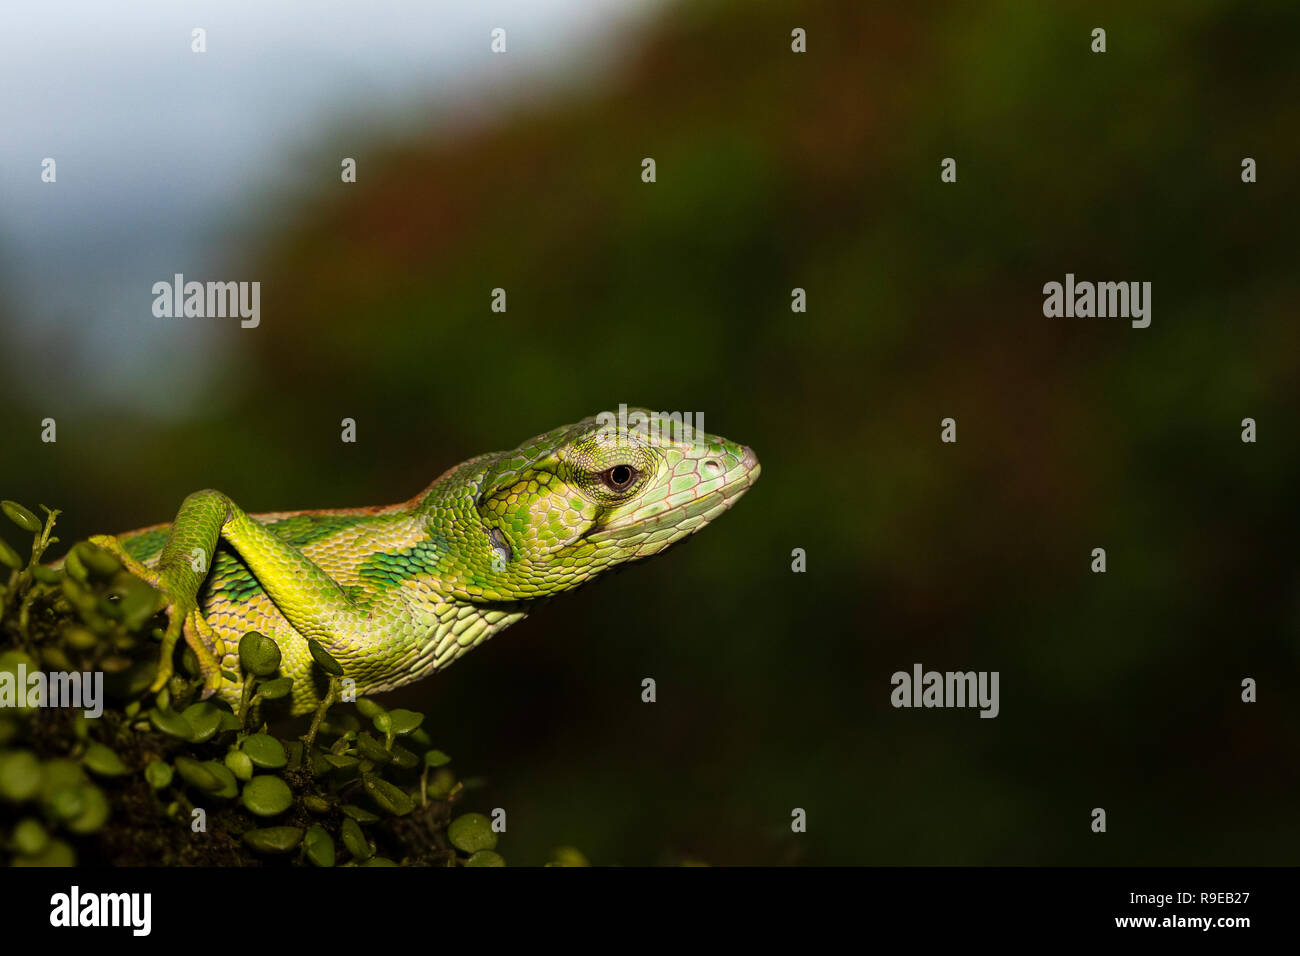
(476, 562)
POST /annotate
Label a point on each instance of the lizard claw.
(200, 638)
(175, 624)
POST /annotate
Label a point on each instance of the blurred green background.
(821, 171)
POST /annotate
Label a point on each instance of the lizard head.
(616, 487)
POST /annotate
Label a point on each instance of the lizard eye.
(619, 478)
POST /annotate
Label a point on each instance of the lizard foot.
(183, 618)
(205, 644)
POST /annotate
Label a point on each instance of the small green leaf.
(355, 840)
(74, 568)
(265, 751)
(405, 721)
(94, 811)
(10, 558)
(368, 708)
(170, 722)
(21, 516)
(65, 802)
(267, 796)
(229, 786)
(391, 799)
(204, 718)
(259, 654)
(319, 846)
(30, 837)
(486, 858)
(196, 774)
(436, 758)
(472, 832)
(568, 856)
(274, 839)
(360, 814)
(55, 658)
(372, 749)
(322, 657)
(275, 689)
(103, 761)
(80, 638)
(57, 774)
(316, 804)
(403, 758)
(238, 763)
(20, 775)
(378, 861)
(42, 573)
(60, 773)
(158, 774)
(81, 725)
(137, 602)
(98, 562)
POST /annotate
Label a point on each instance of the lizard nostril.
(713, 465)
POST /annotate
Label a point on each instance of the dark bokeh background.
(821, 170)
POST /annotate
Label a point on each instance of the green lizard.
(394, 593)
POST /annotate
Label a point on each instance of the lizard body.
(394, 593)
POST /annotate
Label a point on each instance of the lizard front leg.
(178, 574)
(307, 596)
